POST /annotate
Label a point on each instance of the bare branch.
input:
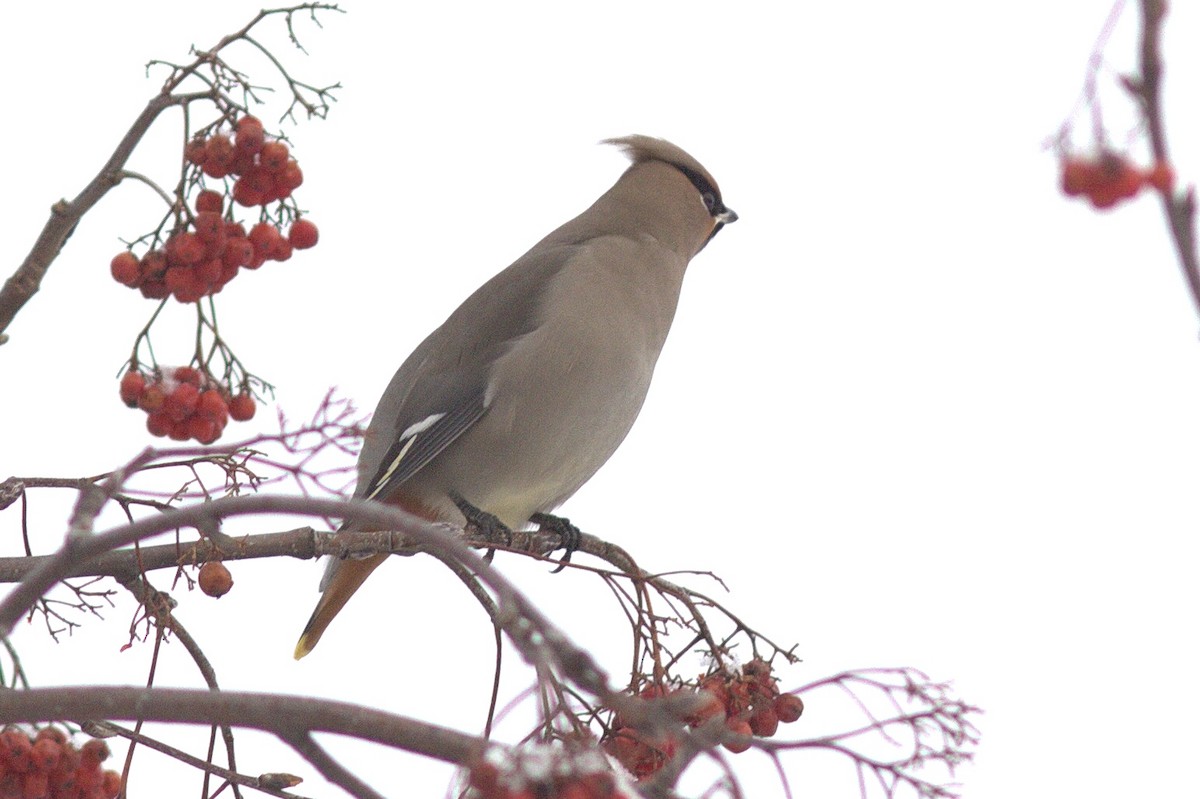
(267, 786)
(64, 216)
(284, 716)
(332, 770)
(1179, 208)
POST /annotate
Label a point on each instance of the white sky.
(917, 408)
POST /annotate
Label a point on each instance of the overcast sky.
(917, 408)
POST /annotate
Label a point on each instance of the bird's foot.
(490, 528)
(569, 535)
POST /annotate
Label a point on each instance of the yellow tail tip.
(303, 646)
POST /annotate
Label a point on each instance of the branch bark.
(1179, 208)
(64, 216)
(289, 717)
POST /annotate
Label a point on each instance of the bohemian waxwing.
(532, 383)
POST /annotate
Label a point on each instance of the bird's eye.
(710, 200)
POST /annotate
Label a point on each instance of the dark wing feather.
(408, 455)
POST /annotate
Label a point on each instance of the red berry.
(598, 785)
(303, 234)
(67, 765)
(757, 668)
(263, 237)
(570, 790)
(209, 226)
(274, 156)
(220, 151)
(245, 195)
(213, 250)
(192, 290)
(228, 273)
(152, 398)
(1129, 180)
(242, 408)
(46, 754)
(125, 268)
(203, 430)
(196, 151)
(51, 734)
(177, 278)
(238, 252)
(212, 405)
(209, 200)
(214, 579)
(94, 751)
(710, 707)
(132, 386)
(281, 249)
(1080, 175)
(484, 777)
(36, 785)
(188, 374)
(17, 751)
(247, 121)
(242, 163)
(210, 271)
(159, 424)
(290, 177)
(764, 722)
(154, 289)
(88, 778)
(740, 727)
(260, 180)
(249, 138)
(181, 403)
(1114, 179)
(111, 785)
(184, 249)
(153, 266)
(788, 707)
(1161, 176)
(214, 169)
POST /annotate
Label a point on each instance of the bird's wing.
(441, 390)
(421, 441)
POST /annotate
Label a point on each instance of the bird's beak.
(722, 219)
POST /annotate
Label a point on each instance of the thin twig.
(234, 778)
(1179, 208)
(330, 769)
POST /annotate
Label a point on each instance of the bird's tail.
(345, 578)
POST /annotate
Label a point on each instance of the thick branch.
(303, 543)
(537, 639)
(78, 551)
(289, 717)
(125, 564)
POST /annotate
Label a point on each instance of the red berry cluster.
(749, 703)
(182, 403)
(204, 254)
(265, 170)
(1109, 178)
(48, 766)
(543, 771)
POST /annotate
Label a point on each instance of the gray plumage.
(524, 392)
